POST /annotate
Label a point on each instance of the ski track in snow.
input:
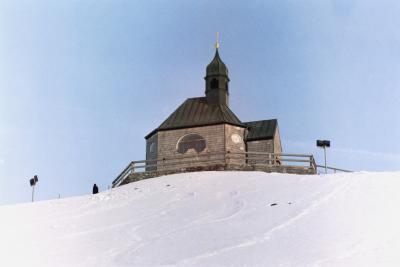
(231, 211)
(228, 212)
(266, 236)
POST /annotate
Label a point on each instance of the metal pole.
(33, 192)
(326, 170)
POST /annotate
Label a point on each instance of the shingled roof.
(261, 130)
(195, 112)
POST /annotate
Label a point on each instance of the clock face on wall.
(236, 138)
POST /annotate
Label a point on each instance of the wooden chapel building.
(207, 125)
(203, 133)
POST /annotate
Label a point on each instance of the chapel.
(204, 134)
(207, 125)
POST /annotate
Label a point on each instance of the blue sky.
(82, 82)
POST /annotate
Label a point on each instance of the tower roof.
(217, 66)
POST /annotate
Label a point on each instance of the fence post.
(313, 165)
(133, 167)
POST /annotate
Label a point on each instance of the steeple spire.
(217, 80)
(217, 42)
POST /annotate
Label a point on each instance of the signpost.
(324, 144)
(33, 182)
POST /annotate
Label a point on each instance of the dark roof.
(217, 66)
(195, 112)
(260, 130)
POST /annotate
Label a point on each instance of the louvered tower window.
(214, 84)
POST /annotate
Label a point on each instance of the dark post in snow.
(324, 144)
(33, 182)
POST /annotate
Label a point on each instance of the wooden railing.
(332, 169)
(229, 158)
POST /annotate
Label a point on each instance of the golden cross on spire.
(217, 43)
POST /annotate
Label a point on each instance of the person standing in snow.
(95, 189)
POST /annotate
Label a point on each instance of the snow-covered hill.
(213, 219)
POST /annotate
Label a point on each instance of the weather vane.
(217, 43)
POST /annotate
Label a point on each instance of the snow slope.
(213, 219)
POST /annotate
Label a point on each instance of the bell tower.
(217, 80)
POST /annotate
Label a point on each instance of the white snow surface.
(213, 219)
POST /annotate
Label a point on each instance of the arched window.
(152, 148)
(214, 84)
(191, 141)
